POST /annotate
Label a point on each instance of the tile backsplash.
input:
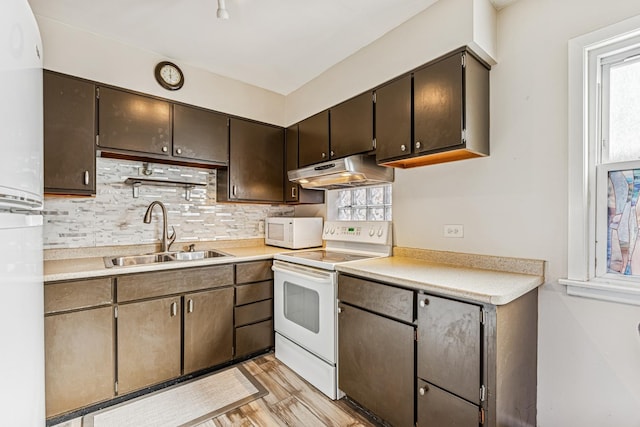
(114, 216)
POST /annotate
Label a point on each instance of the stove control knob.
(333, 230)
(380, 231)
(372, 232)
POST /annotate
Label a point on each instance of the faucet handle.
(171, 238)
(192, 247)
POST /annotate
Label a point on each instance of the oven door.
(304, 307)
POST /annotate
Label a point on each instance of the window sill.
(603, 289)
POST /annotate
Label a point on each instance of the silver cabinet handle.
(424, 302)
(190, 306)
(293, 192)
(403, 147)
(233, 190)
(324, 155)
(86, 177)
(165, 149)
(418, 144)
(178, 151)
(174, 309)
(340, 310)
(332, 153)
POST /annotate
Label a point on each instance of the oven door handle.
(307, 275)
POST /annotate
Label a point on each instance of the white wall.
(73, 51)
(514, 203)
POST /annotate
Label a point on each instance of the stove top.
(328, 256)
(345, 241)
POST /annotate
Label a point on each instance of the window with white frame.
(604, 164)
(361, 203)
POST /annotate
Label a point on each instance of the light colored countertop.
(480, 278)
(85, 268)
(470, 283)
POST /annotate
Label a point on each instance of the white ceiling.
(275, 44)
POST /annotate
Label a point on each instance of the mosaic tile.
(114, 217)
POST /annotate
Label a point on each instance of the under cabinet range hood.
(352, 171)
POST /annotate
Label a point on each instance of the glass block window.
(365, 204)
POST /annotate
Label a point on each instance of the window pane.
(624, 112)
(359, 214)
(359, 197)
(375, 214)
(376, 196)
(344, 198)
(623, 250)
(344, 214)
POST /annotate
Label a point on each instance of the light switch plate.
(454, 230)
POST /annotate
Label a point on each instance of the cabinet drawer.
(149, 285)
(253, 271)
(383, 299)
(253, 338)
(252, 313)
(66, 296)
(246, 294)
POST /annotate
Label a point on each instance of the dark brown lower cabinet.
(79, 357)
(208, 329)
(438, 408)
(148, 343)
(376, 363)
(253, 338)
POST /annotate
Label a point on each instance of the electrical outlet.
(453, 230)
(261, 226)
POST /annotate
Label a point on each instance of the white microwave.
(293, 233)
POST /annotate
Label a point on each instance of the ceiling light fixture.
(222, 10)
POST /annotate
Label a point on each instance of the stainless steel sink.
(190, 256)
(129, 260)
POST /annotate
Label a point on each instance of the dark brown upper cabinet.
(200, 134)
(256, 163)
(352, 126)
(313, 139)
(450, 113)
(293, 193)
(69, 135)
(393, 119)
(128, 121)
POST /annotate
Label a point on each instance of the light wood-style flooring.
(291, 402)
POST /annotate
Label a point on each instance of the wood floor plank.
(291, 402)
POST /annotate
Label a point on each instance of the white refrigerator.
(21, 185)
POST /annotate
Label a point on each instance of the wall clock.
(169, 75)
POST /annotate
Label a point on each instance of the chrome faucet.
(167, 241)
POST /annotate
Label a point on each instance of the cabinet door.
(449, 350)
(291, 163)
(438, 408)
(208, 329)
(148, 343)
(69, 135)
(293, 193)
(352, 126)
(393, 119)
(313, 139)
(127, 121)
(368, 372)
(200, 135)
(79, 359)
(438, 105)
(256, 162)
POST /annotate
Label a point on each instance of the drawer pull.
(190, 306)
(423, 390)
(424, 302)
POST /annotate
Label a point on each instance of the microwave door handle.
(308, 276)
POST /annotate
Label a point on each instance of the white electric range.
(305, 297)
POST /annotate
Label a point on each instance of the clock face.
(169, 75)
